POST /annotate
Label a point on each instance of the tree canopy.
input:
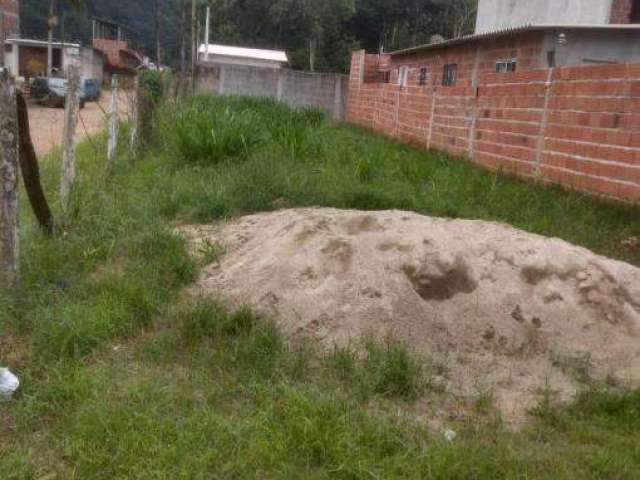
(317, 34)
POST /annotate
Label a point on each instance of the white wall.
(499, 14)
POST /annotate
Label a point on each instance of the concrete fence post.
(221, 80)
(68, 175)
(548, 88)
(338, 104)
(434, 96)
(9, 175)
(474, 105)
(396, 126)
(279, 84)
(112, 145)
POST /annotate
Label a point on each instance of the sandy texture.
(503, 309)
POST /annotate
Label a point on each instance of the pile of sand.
(503, 309)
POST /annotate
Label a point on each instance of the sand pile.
(501, 308)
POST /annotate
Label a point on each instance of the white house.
(250, 57)
(28, 58)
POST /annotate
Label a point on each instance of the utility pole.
(51, 23)
(158, 15)
(183, 44)
(194, 46)
(206, 33)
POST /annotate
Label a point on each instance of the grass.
(124, 377)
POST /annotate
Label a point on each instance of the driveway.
(46, 123)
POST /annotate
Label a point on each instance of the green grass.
(124, 377)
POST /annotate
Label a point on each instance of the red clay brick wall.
(111, 48)
(11, 16)
(526, 48)
(621, 11)
(577, 126)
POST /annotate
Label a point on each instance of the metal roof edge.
(513, 31)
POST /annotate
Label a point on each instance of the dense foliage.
(319, 35)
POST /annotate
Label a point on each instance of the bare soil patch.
(503, 309)
(46, 123)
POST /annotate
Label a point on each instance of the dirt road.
(47, 123)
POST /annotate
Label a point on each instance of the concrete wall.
(575, 126)
(499, 14)
(297, 89)
(91, 63)
(585, 47)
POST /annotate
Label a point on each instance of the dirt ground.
(504, 310)
(47, 123)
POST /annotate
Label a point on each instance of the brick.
(591, 142)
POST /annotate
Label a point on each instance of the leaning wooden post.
(9, 174)
(31, 169)
(112, 145)
(134, 117)
(68, 176)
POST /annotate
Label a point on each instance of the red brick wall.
(528, 49)
(11, 16)
(111, 48)
(577, 126)
(621, 11)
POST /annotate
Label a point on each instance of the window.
(385, 77)
(506, 66)
(422, 81)
(449, 75)
(403, 76)
(551, 58)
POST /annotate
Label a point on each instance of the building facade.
(500, 14)
(27, 58)
(455, 62)
(114, 42)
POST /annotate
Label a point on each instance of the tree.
(458, 16)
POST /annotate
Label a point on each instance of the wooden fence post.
(68, 175)
(145, 107)
(9, 174)
(112, 145)
(31, 170)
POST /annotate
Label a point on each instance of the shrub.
(202, 131)
(152, 82)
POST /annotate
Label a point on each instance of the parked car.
(52, 92)
(91, 88)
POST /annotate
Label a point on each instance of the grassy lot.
(123, 377)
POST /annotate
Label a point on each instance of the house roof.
(514, 31)
(250, 53)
